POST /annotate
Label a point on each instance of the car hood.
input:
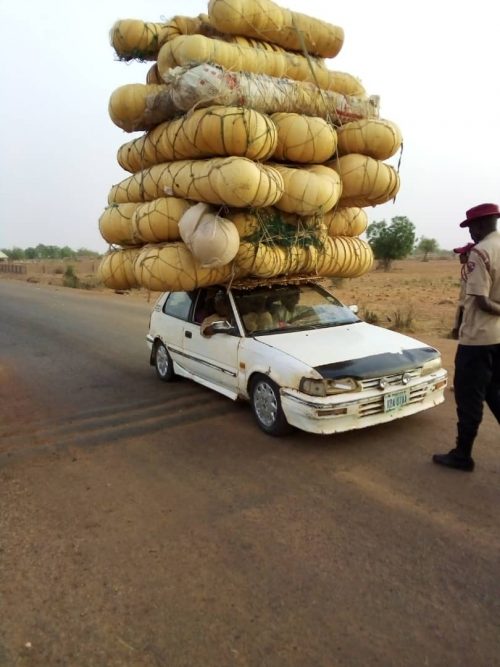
(339, 345)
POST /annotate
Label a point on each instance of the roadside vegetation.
(48, 252)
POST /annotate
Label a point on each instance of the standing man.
(477, 361)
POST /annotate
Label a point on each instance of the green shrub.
(70, 279)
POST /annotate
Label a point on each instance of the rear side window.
(178, 304)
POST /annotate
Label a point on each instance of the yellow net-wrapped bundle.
(365, 181)
(377, 138)
(264, 19)
(344, 257)
(339, 257)
(204, 133)
(303, 139)
(172, 267)
(138, 224)
(196, 49)
(116, 269)
(232, 181)
(345, 221)
(138, 106)
(133, 39)
(115, 224)
(310, 190)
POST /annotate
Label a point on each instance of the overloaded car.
(300, 357)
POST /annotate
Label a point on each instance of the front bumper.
(346, 412)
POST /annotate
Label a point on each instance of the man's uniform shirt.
(483, 279)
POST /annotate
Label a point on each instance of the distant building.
(3, 257)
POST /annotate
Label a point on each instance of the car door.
(176, 311)
(212, 359)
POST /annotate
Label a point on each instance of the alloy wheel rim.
(162, 360)
(266, 405)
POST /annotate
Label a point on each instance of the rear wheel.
(163, 362)
(266, 406)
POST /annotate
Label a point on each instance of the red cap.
(464, 249)
(481, 211)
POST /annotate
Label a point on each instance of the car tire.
(266, 406)
(163, 362)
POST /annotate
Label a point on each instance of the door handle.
(188, 334)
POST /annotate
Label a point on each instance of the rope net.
(256, 161)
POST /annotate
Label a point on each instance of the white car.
(301, 357)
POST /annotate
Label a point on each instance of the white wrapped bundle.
(213, 240)
(143, 106)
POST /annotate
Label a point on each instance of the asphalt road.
(145, 524)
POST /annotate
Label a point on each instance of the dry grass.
(415, 297)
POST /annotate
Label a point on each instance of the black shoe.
(453, 460)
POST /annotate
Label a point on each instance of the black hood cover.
(378, 365)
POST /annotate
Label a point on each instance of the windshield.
(290, 307)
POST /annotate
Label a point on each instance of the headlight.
(431, 366)
(327, 387)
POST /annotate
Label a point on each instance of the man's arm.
(206, 326)
(488, 305)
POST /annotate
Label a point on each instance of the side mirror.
(354, 309)
(222, 326)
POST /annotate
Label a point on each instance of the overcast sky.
(434, 64)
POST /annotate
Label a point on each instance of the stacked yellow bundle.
(256, 159)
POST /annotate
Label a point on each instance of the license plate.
(396, 400)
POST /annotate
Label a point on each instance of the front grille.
(373, 383)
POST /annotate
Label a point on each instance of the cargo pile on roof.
(255, 160)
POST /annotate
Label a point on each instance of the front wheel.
(266, 406)
(163, 363)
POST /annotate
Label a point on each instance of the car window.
(205, 305)
(265, 310)
(178, 304)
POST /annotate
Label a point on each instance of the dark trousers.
(477, 380)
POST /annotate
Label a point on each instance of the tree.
(427, 246)
(66, 252)
(85, 252)
(390, 242)
(15, 254)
